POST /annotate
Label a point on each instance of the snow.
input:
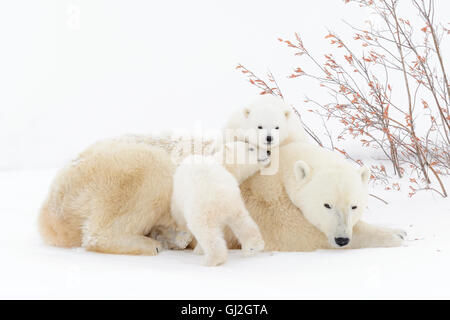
(140, 67)
(30, 269)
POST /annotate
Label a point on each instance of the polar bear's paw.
(392, 237)
(157, 249)
(401, 234)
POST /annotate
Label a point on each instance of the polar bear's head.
(263, 122)
(243, 159)
(331, 198)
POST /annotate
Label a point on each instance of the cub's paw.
(215, 260)
(198, 250)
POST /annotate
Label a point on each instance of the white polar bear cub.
(267, 122)
(206, 198)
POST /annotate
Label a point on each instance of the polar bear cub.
(266, 122)
(206, 198)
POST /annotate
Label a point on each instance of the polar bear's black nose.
(269, 139)
(342, 241)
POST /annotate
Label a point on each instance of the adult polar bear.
(332, 193)
(269, 199)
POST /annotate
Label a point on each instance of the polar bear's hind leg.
(58, 231)
(122, 244)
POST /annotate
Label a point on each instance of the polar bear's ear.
(287, 113)
(246, 112)
(301, 170)
(365, 174)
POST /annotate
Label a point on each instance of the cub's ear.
(365, 174)
(301, 170)
(246, 112)
(287, 113)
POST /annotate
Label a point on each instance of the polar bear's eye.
(259, 127)
(326, 205)
(277, 128)
(251, 149)
(354, 207)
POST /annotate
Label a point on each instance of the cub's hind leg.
(246, 231)
(209, 236)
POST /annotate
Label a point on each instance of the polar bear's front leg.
(369, 236)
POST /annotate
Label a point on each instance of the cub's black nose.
(268, 153)
(342, 241)
(269, 139)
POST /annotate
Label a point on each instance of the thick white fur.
(265, 116)
(331, 192)
(110, 198)
(120, 190)
(206, 198)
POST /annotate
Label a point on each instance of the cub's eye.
(326, 205)
(251, 149)
(277, 128)
(354, 207)
(259, 127)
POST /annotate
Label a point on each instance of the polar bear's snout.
(341, 235)
(341, 242)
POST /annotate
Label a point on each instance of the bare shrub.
(389, 89)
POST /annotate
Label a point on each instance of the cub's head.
(263, 122)
(330, 199)
(243, 159)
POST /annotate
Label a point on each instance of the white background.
(73, 72)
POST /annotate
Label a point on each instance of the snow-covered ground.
(30, 269)
(76, 71)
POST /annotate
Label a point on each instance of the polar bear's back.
(318, 157)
